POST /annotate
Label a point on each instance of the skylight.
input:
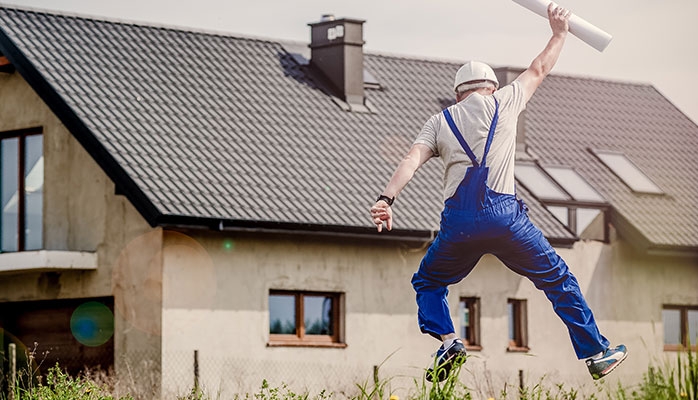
(539, 183)
(370, 81)
(627, 171)
(567, 196)
(574, 184)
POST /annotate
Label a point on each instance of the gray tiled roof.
(207, 129)
(568, 116)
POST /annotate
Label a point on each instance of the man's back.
(473, 116)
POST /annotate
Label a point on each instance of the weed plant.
(667, 381)
(59, 385)
(670, 382)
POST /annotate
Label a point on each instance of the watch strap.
(386, 199)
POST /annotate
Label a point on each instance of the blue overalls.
(477, 220)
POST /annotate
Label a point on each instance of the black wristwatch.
(386, 199)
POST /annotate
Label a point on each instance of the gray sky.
(654, 41)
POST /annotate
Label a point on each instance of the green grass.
(662, 381)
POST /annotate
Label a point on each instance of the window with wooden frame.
(21, 190)
(469, 313)
(303, 318)
(518, 325)
(680, 327)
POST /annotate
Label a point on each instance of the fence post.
(376, 381)
(196, 371)
(13, 370)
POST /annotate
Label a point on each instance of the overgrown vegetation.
(667, 381)
(58, 385)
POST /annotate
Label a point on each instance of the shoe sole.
(611, 367)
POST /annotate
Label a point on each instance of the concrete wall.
(215, 299)
(82, 213)
(176, 292)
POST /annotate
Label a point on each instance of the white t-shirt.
(473, 116)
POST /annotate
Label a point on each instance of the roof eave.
(314, 230)
(640, 242)
(124, 184)
(296, 228)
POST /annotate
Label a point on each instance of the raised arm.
(415, 158)
(541, 66)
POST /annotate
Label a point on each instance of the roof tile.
(221, 127)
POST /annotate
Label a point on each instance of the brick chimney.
(336, 50)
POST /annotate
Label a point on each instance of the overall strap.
(464, 145)
(490, 135)
(458, 135)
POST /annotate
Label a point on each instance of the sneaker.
(606, 362)
(445, 360)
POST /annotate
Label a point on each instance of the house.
(191, 206)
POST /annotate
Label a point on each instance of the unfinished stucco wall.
(82, 213)
(216, 301)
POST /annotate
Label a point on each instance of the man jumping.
(481, 212)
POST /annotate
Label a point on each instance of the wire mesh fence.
(169, 375)
(224, 377)
(149, 375)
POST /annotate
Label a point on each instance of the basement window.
(301, 318)
(627, 171)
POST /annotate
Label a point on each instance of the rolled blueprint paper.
(580, 28)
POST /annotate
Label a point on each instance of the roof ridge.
(136, 23)
(615, 81)
(243, 36)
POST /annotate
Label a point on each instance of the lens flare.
(228, 244)
(92, 324)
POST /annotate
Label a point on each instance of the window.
(577, 219)
(539, 183)
(627, 171)
(567, 195)
(469, 313)
(516, 310)
(21, 190)
(680, 327)
(574, 184)
(304, 318)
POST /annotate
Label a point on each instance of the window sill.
(513, 349)
(47, 260)
(678, 347)
(306, 344)
(472, 347)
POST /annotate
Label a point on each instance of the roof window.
(627, 171)
(574, 184)
(567, 196)
(539, 183)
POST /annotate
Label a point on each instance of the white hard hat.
(475, 71)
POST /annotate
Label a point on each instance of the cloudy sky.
(654, 41)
